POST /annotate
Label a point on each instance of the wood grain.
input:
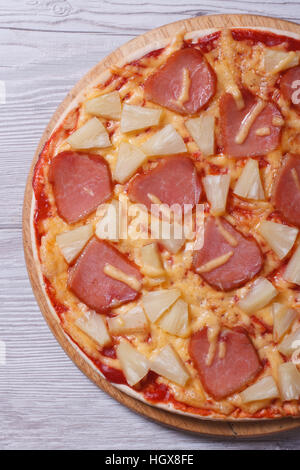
(185, 423)
(46, 402)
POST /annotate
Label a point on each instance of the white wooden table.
(45, 47)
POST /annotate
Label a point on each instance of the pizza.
(166, 221)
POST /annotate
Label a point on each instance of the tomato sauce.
(266, 37)
(156, 392)
(110, 373)
(109, 351)
(59, 307)
(264, 328)
(152, 54)
(42, 206)
(153, 391)
(206, 43)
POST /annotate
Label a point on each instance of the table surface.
(45, 47)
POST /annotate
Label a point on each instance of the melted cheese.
(222, 349)
(212, 335)
(119, 275)
(262, 131)
(163, 208)
(225, 68)
(248, 121)
(277, 121)
(290, 60)
(214, 263)
(295, 178)
(185, 90)
(228, 236)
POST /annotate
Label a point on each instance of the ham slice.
(173, 181)
(220, 240)
(184, 84)
(92, 286)
(232, 119)
(286, 196)
(81, 181)
(233, 367)
(290, 88)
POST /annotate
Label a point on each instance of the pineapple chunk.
(290, 343)
(283, 318)
(157, 302)
(260, 294)
(292, 272)
(275, 61)
(94, 326)
(289, 381)
(167, 141)
(108, 228)
(173, 245)
(138, 117)
(134, 364)
(216, 188)
(91, 135)
(108, 105)
(71, 243)
(264, 389)
(176, 320)
(249, 184)
(168, 364)
(280, 237)
(133, 321)
(170, 235)
(202, 129)
(130, 158)
(151, 260)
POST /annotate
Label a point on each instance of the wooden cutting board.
(201, 426)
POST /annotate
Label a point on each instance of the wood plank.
(48, 73)
(47, 402)
(118, 17)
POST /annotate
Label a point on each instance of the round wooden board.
(196, 425)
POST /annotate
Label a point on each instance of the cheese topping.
(295, 178)
(222, 349)
(277, 121)
(154, 198)
(228, 237)
(186, 83)
(223, 67)
(163, 208)
(290, 60)
(248, 121)
(214, 263)
(212, 335)
(119, 275)
(262, 131)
